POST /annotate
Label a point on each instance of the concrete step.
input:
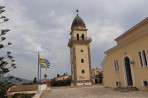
(126, 89)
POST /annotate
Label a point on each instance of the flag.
(46, 63)
(42, 63)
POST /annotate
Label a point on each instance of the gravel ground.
(92, 92)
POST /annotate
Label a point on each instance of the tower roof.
(78, 22)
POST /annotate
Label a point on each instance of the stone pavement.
(92, 92)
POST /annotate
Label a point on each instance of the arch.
(77, 36)
(83, 71)
(128, 71)
(82, 36)
(82, 60)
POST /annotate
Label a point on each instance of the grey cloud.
(44, 25)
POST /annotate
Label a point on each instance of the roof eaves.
(132, 29)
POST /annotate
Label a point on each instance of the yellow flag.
(41, 62)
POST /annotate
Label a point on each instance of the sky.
(44, 26)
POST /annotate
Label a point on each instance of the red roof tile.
(19, 88)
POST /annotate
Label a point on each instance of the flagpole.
(38, 74)
(38, 66)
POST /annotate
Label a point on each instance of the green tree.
(6, 62)
(22, 95)
(2, 90)
(64, 74)
(58, 75)
(100, 77)
(66, 82)
(45, 76)
(35, 80)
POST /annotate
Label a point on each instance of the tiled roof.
(19, 88)
(78, 22)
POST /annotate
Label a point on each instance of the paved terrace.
(92, 92)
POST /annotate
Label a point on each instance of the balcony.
(79, 40)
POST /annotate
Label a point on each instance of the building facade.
(126, 64)
(62, 77)
(19, 89)
(97, 75)
(79, 45)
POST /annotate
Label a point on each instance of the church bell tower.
(79, 45)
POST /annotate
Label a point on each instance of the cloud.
(44, 25)
(103, 34)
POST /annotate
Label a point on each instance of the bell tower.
(80, 59)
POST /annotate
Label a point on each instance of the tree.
(45, 76)
(58, 75)
(100, 77)
(22, 95)
(66, 82)
(2, 90)
(6, 62)
(64, 74)
(35, 80)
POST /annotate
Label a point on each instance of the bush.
(22, 95)
(66, 82)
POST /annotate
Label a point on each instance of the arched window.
(116, 66)
(77, 36)
(82, 60)
(82, 36)
(140, 58)
(83, 71)
(144, 57)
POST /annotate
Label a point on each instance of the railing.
(80, 39)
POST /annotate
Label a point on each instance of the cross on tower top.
(77, 11)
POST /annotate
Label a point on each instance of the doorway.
(128, 72)
(96, 81)
(77, 36)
